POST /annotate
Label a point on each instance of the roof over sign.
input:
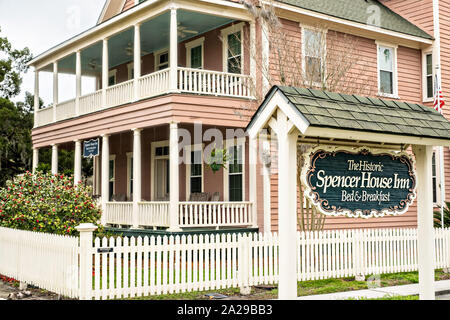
(324, 109)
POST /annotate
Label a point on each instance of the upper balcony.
(131, 58)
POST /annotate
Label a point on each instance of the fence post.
(243, 266)
(86, 236)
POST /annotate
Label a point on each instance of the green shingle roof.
(360, 11)
(353, 112)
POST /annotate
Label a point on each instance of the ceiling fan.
(93, 64)
(129, 50)
(183, 31)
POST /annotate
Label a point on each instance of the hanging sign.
(359, 183)
(91, 148)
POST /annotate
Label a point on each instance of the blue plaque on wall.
(358, 182)
(91, 148)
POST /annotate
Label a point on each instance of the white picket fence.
(47, 261)
(133, 267)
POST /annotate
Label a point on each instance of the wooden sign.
(358, 182)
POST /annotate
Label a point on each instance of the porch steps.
(150, 232)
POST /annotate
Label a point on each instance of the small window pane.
(386, 82)
(386, 58)
(430, 87)
(196, 57)
(111, 169)
(235, 182)
(429, 64)
(313, 41)
(196, 184)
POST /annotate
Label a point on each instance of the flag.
(438, 97)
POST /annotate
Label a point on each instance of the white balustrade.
(154, 84)
(91, 102)
(189, 80)
(214, 83)
(215, 214)
(119, 213)
(154, 214)
(119, 94)
(65, 110)
(44, 116)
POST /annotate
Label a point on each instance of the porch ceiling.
(155, 36)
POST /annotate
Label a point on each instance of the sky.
(40, 25)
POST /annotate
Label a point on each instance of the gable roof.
(360, 11)
(352, 112)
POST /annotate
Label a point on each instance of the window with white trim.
(129, 175)
(112, 77)
(162, 60)
(387, 70)
(194, 170)
(314, 52)
(160, 171)
(112, 176)
(233, 49)
(428, 77)
(195, 54)
(234, 172)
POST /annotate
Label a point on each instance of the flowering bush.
(48, 203)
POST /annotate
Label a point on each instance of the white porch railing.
(191, 214)
(189, 80)
(91, 102)
(44, 116)
(214, 83)
(120, 213)
(65, 110)
(215, 214)
(154, 84)
(119, 94)
(154, 214)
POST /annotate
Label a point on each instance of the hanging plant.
(217, 159)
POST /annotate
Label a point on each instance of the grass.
(313, 287)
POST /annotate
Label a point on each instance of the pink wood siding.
(129, 4)
(419, 12)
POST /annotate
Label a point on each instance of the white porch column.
(36, 98)
(253, 154)
(137, 176)
(55, 89)
(266, 187)
(35, 159)
(77, 166)
(137, 60)
(425, 244)
(54, 159)
(287, 207)
(105, 175)
(173, 49)
(174, 178)
(105, 71)
(78, 83)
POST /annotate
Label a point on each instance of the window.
(387, 78)
(195, 53)
(194, 170)
(314, 48)
(235, 173)
(162, 60)
(130, 68)
(112, 79)
(232, 38)
(112, 176)
(130, 175)
(428, 77)
(160, 171)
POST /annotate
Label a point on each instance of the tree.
(16, 120)
(332, 62)
(12, 64)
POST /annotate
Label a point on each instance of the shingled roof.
(360, 11)
(353, 112)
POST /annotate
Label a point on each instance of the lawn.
(306, 288)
